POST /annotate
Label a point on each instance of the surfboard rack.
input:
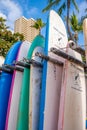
(3, 68)
(48, 58)
(76, 47)
(12, 68)
(33, 62)
(21, 63)
(26, 63)
(68, 57)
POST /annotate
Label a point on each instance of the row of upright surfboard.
(47, 97)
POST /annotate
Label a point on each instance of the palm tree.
(61, 7)
(38, 25)
(17, 37)
(2, 24)
(7, 38)
(68, 15)
(76, 26)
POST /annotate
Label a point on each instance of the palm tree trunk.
(39, 31)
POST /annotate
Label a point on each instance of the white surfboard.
(52, 73)
(11, 120)
(56, 34)
(72, 111)
(35, 91)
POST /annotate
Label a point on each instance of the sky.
(14, 9)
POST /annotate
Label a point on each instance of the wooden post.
(85, 36)
(85, 40)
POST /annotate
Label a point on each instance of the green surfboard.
(23, 114)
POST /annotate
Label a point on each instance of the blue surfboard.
(5, 83)
(86, 123)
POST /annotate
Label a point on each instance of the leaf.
(52, 3)
(62, 7)
(75, 5)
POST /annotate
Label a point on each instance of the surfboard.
(72, 111)
(5, 83)
(11, 120)
(1, 60)
(23, 118)
(52, 73)
(35, 90)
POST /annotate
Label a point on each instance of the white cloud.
(33, 11)
(3, 15)
(11, 10)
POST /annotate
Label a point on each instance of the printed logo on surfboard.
(57, 31)
(59, 38)
(76, 82)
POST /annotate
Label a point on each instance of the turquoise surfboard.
(5, 83)
(23, 117)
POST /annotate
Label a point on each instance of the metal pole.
(3, 68)
(48, 58)
(21, 63)
(13, 67)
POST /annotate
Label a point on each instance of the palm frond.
(49, 1)
(38, 24)
(62, 7)
(86, 10)
(75, 4)
(51, 4)
(35, 26)
(57, 2)
(75, 24)
(48, 6)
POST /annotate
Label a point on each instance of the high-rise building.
(23, 26)
(1, 60)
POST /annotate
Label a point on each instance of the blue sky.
(13, 9)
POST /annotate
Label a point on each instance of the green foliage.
(51, 3)
(38, 25)
(7, 38)
(75, 24)
(61, 7)
(83, 58)
(75, 4)
(4, 47)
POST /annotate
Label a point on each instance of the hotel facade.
(23, 26)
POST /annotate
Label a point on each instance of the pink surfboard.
(53, 89)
